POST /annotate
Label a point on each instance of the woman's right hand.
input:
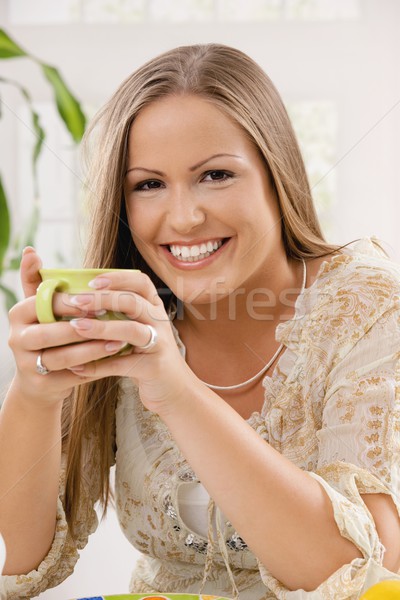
(60, 346)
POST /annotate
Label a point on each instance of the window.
(26, 12)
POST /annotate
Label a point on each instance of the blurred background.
(335, 63)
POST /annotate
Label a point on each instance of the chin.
(199, 296)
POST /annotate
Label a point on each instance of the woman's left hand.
(160, 372)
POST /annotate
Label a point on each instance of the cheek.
(131, 224)
(144, 229)
(139, 224)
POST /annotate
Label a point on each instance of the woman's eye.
(217, 175)
(145, 186)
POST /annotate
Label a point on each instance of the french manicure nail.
(91, 314)
(99, 282)
(113, 346)
(77, 369)
(81, 299)
(80, 323)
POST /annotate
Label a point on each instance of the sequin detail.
(187, 475)
(235, 542)
(169, 508)
(196, 543)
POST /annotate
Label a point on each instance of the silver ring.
(40, 368)
(153, 338)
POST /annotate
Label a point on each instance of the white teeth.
(195, 252)
(185, 251)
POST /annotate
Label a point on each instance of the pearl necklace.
(269, 363)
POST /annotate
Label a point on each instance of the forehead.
(188, 123)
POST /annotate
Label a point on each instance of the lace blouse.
(332, 406)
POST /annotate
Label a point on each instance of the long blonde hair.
(236, 85)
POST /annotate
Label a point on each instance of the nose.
(185, 212)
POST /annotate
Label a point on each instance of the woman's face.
(199, 201)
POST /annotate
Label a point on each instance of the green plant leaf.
(8, 48)
(40, 137)
(68, 107)
(4, 225)
(37, 127)
(9, 296)
(38, 130)
(14, 263)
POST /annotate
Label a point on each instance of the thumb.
(30, 276)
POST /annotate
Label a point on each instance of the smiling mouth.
(196, 252)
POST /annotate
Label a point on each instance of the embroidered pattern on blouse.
(195, 542)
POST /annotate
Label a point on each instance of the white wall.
(353, 63)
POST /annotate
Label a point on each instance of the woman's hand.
(160, 372)
(60, 346)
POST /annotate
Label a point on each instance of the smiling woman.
(212, 188)
(279, 479)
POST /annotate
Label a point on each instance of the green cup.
(70, 281)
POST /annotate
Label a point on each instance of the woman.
(255, 424)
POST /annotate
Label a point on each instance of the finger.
(64, 305)
(30, 276)
(49, 335)
(122, 366)
(45, 385)
(75, 356)
(126, 280)
(133, 332)
(25, 311)
(125, 303)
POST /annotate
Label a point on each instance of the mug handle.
(44, 300)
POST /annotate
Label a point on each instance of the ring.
(153, 338)
(40, 368)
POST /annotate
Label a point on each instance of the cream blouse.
(332, 406)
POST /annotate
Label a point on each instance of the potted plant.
(12, 241)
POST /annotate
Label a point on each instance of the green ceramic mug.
(69, 281)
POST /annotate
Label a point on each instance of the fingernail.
(28, 249)
(81, 299)
(94, 313)
(99, 283)
(77, 369)
(113, 346)
(80, 323)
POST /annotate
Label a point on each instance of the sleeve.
(63, 554)
(359, 453)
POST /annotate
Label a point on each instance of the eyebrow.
(193, 168)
